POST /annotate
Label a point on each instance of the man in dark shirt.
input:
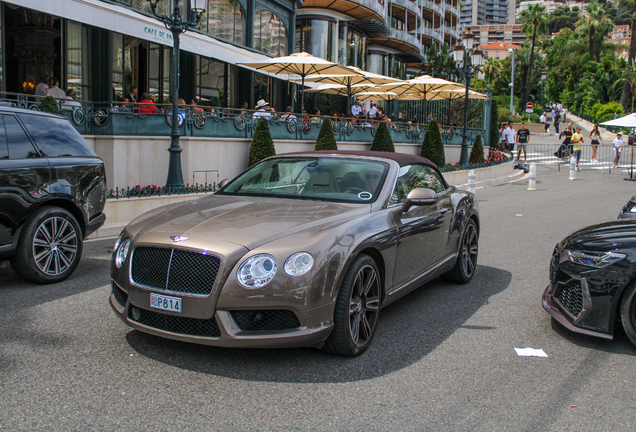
(523, 138)
(557, 119)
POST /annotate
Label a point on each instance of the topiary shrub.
(49, 104)
(432, 147)
(477, 152)
(494, 124)
(382, 140)
(326, 139)
(535, 118)
(262, 143)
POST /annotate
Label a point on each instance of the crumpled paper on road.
(530, 352)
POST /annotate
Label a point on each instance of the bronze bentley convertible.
(301, 249)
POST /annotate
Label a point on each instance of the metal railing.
(602, 159)
(108, 118)
(153, 190)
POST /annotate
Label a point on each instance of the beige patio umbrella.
(352, 77)
(302, 64)
(386, 96)
(455, 94)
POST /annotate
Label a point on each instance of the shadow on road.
(407, 331)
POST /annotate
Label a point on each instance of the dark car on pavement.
(593, 280)
(629, 210)
(301, 249)
(52, 194)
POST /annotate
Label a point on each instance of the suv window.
(416, 176)
(4, 148)
(20, 146)
(55, 136)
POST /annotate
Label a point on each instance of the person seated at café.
(316, 118)
(146, 105)
(288, 116)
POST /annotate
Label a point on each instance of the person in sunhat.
(262, 108)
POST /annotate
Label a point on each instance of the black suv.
(52, 194)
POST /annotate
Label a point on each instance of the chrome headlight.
(299, 263)
(595, 259)
(257, 271)
(122, 253)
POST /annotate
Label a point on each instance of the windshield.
(326, 178)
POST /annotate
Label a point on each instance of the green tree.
(477, 152)
(262, 143)
(49, 104)
(562, 17)
(535, 22)
(632, 53)
(432, 146)
(492, 68)
(595, 24)
(494, 124)
(326, 138)
(382, 140)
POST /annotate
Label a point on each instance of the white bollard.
(472, 181)
(572, 168)
(533, 177)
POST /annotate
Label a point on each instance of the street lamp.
(512, 81)
(470, 59)
(177, 25)
(544, 76)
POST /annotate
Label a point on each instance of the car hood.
(246, 221)
(607, 236)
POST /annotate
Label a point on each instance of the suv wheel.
(50, 246)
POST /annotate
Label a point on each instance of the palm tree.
(492, 69)
(593, 21)
(632, 53)
(535, 20)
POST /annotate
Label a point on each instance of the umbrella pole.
(349, 96)
(302, 95)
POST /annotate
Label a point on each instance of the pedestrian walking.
(595, 136)
(577, 140)
(522, 139)
(566, 148)
(618, 148)
(503, 143)
(510, 137)
(557, 119)
(544, 121)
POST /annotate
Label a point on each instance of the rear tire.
(628, 312)
(50, 246)
(466, 263)
(357, 309)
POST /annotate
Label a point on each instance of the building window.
(78, 59)
(211, 86)
(317, 37)
(270, 35)
(225, 19)
(397, 22)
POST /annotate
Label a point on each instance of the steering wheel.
(353, 190)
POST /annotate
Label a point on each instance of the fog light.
(136, 313)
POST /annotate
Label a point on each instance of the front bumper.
(553, 309)
(223, 329)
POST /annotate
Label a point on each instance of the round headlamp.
(299, 263)
(122, 253)
(257, 271)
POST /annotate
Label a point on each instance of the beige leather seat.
(320, 182)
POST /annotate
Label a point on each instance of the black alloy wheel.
(357, 309)
(466, 264)
(50, 246)
(628, 312)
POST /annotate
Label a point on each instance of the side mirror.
(223, 183)
(419, 197)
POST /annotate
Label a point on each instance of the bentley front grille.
(174, 270)
(174, 324)
(120, 295)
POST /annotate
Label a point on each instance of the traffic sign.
(529, 107)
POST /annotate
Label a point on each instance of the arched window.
(270, 34)
(225, 19)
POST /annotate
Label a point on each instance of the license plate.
(168, 303)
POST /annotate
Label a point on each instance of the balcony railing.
(379, 7)
(406, 37)
(410, 5)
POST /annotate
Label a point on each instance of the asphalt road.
(442, 359)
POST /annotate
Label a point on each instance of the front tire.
(628, 312)
(50, 246)
(467, 256)
(357, 309)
